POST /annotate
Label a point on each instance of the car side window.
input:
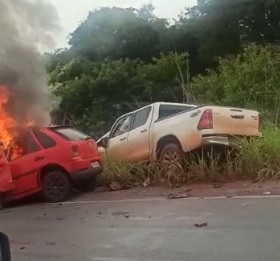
(166, 110)
(121, 127)
(141, 117)
(46, 141)
(24, 145)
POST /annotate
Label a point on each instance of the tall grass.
(256, 159)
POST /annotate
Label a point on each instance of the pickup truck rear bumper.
(222, 140)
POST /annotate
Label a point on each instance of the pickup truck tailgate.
(236, 121)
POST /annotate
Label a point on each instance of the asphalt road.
(155, 230)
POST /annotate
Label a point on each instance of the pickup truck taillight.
(206, 120)
(75, 151)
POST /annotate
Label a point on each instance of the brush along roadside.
(256, 159)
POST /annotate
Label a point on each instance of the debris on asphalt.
(126, 215)
(23, 247)
(147, 182)
(267, 193)
(178, 195)
(203, 224)
(115, 186)
(244, 205)
(120, 213)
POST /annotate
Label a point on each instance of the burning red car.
(48, 160)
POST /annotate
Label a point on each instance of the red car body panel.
(6, 181)
(79, 159)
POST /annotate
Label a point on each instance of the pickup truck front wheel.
(171, 154)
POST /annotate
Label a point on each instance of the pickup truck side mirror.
(104, 142)
(5, 251)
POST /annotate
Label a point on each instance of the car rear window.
(71, 134)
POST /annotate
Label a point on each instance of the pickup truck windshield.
(71, 134)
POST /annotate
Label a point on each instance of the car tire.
(171, 154)
(88, 185)
(56, 187)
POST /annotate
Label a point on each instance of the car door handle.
(142, 131)
(39, 158)
(122, 139)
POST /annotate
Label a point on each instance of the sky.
(73, 12)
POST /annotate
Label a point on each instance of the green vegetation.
(218, 52)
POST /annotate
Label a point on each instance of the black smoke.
(27, 28)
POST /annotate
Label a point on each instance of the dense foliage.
(219, 51)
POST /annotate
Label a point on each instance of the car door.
(117, 143)
(6, 181)
(26, 158)
(139, 136)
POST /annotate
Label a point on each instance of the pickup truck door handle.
(39, 158)
(122, 139)
(142, 131)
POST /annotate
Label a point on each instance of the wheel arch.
(49, 168)
(168, 139)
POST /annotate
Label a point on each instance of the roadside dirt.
(238, 188)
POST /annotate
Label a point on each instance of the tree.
(115, 33)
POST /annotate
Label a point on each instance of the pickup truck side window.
(166, 110)
(121, 127)
(141, 117)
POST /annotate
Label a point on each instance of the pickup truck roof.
(161, 103)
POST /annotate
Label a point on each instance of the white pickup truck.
(166, 131)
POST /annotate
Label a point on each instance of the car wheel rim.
(171, 156)
(56, 187)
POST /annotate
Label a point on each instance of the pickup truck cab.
(49, 161)
(165, 131)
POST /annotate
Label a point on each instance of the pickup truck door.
(117, 143)
(139, 135)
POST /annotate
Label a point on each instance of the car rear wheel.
(171, 154)
(56, 187)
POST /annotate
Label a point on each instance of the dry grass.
(256, 159)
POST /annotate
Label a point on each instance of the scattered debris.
(147, 182)
(203, 224)
(120, 213)
(59, 218)
(115, 186)
(267, 193)
(217, 185)
(179, 195)
(23, 247)
(126, 215)
(244, 205)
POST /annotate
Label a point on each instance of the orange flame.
(6, 122)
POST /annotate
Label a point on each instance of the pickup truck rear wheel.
(56, 187)
(171, 154)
